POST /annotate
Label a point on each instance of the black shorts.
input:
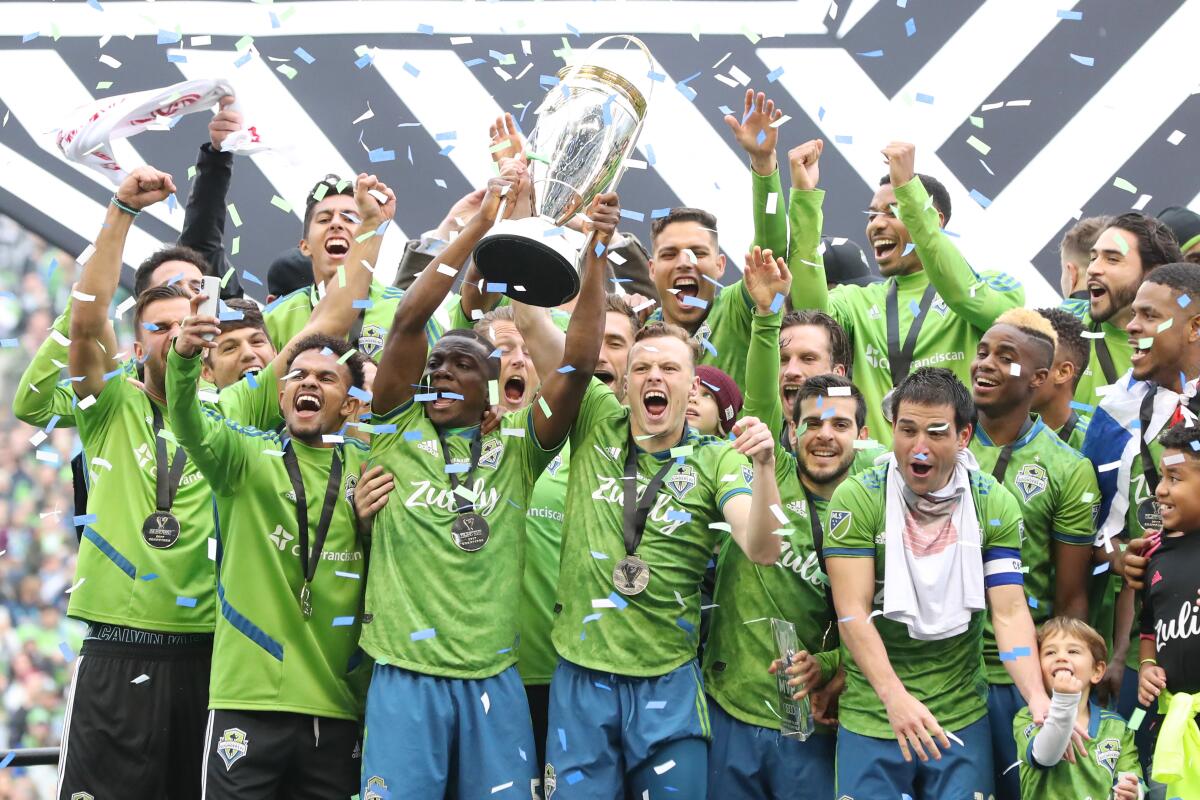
(135, 717)
(261, 755)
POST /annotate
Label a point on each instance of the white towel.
(933, 563)
(87, 138)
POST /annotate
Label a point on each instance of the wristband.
(133, 212)
(1146, 661)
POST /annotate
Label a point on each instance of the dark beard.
(838, 472)
(1118, 299)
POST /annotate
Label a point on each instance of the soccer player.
(749, 757)
(1156, 393)
(932, 306)
(628, 599)
(810, 343)
(1074, 254)
(936, 536)
(144, 583)
(1057, 493)
(1185, 224)
(1168, 668)
(287, 687)
(518, 380)
(1054, 401)
(1122, 257)
(1072, 657)
(447, 551)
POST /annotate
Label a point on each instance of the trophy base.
(538, 270)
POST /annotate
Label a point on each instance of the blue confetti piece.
(364, 61)
(497, 287)
(1021, 652)
(678, 516)
(29, 37)
(339, 622)
(980, 198)
(275, 23)
(10, 342)
(446, 136)
(53, 421)
(452, 396)
(150, 326)
(474, 62)
(360, 394)
(457, 468)
(559, 231)
(83, 519)
(910, 27)
(1195, 446)
(652, 75)
(686, 90)
(709, 346)
(636, 216)
(827, 413)
(149, 576)
(1102, 568)
(67, 652)
(426, 29)
(908, 248)
(230, 315)
(566, 368)
(243, 60)
(820, 113)
(599, 555)
(428, 633)
(650, 159)
(8, 759)
(1033, 603)
(655, 705)
(168, 37)
(591, 618)
(688, 300)
(250, 276)
(573, 777)
(599, 249)
(252, 380)
(872, 54)
(562, 739)
(914, 307)
(547, 80)
(108, 376)
(726, 110)
(303, 55)
(924, 98)
(762, 137)
(186, 602)
(363, 304)
(445, 151)
(380, 154)
(409, 436)
(600, 685)
(176, 58)
(1071, 15)
(1007, 656)
(844, 139)
(1184, 301)
(1087, 61)
(777, 303)
(774, 74)
(920, 456)
(618, 601)
(425, 397)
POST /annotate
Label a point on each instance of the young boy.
(715, 404)
(1170, 645)
(1072, 656)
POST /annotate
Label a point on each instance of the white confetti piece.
(772, 202)
(839, 391)
(79, 582)
(954, 738)
(1170, 461)
(518, 432)
(448, 270)
(603, 602)
(462, 40)
(487, 702)
(87, 253)
(109, 61)
(140, 679)
(38, 437)
(502, 787)
(738, 75)
(60, 338)
(87, 402)
(100, 462)
(1109, 467)
(1014, 369)
(779, 515)
(212, 549)
(1176, 137)
(207, 396)
(83, 297)
(659, 769)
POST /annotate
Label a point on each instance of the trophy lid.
(609, 67)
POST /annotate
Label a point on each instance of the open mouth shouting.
(655, 403)
(1139, 353)
(307, 404)
(337, 247)
(920, 469)
(984, 384)
(790, 390)
(514, 389)
(605, 376)
(885, 247)
(685, 286)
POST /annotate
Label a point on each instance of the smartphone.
(209, 308)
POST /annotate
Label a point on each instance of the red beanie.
(726, 392)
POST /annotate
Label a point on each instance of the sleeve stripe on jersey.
(107, 548)
(1073, 538)
(390, 415)
(850, 552)
(725, 498)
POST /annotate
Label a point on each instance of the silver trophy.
(587, 126)
(796, 717)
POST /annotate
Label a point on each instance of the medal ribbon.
(900, 359)
(1069, 427)
(1001, 468)
(635, 511)
(310, 560)
(1106, 362)
(165, 485)
(476, 450)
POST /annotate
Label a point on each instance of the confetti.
(140, 679)
(1087, 61)
(428, 633)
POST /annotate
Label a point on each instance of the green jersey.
(288, 315)
(1059, 500)
(650, 633)
(539, 581)
(1076, 430)
(1111, 751)
(120, 577)
(267, 655)
(723, 333)
(1115, 340)
(39, 397)
(431, 607)
(965, 302)
(458, 318)
(947, 674)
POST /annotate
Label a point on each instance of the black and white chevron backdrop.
(1031, 111)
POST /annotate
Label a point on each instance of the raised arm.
(38, 398)
(755, 134)
(93, 343)
(220, 453)
(562, 389)
(404, 351)
(545, 341)
(752, 521)
(334, 314)
(976, 300)
(768, 281)
(204, 214)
